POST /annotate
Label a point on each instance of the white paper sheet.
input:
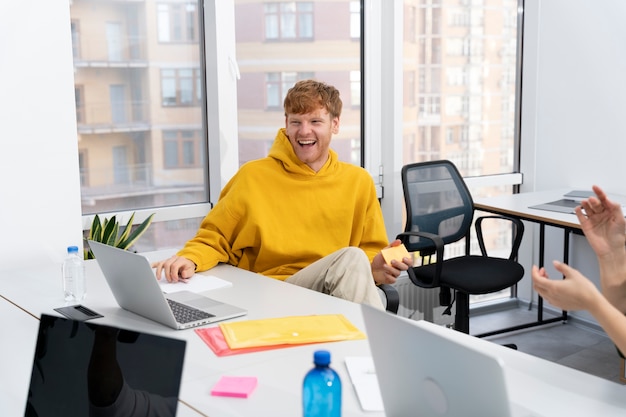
(197, 283)
(363, 377)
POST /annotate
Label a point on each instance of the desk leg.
(566, 236)
(542, 236)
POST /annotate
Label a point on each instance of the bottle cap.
(321, 357)
(72, 249)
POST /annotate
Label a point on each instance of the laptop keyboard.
(186, 314)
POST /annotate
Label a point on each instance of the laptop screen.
(88, 369)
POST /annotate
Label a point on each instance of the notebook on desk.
(136, 289)
(81, 368)
(422, 372)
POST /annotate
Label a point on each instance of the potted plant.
(107, 232)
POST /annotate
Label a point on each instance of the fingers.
(582, 218)
(600, 193)
(541, 282)
(599, 203)
(388, 274)
(562, 268)
(401, 266)
(396, 242)
(393, 271)
(174, 269)
(158, 269)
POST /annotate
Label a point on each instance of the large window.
(464, 56)
(144, 117)
(140, 108)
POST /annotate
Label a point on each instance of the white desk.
(280, 372)
(545, 385)
(518, 205)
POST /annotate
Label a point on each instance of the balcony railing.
(125, 116)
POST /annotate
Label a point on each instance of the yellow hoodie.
(277, 216)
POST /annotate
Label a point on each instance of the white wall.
(41, 213)
(573, 103)
(574, 94)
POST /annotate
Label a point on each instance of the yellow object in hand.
(395, 252)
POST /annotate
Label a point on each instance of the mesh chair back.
(437, 201)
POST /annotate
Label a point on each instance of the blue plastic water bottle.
(321, 390)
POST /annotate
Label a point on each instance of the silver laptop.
(136, 289)
(421, 372)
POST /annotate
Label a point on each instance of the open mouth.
(306, 142)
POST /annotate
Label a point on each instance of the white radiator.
(421, 303)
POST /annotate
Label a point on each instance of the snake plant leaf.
(111, 228)
(134, 235)
(96, 229)
(127, 230)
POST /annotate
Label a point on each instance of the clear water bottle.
(321, 390)
(73, 276)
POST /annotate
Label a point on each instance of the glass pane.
(288, 44)
(460, 61)
(463, 56)
(288, 26)
(139, 95)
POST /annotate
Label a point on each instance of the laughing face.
(309, 135)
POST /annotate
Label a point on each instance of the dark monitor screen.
(86, 369)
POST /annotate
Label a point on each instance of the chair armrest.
(438, 243)
(518, 233)
(392, 296)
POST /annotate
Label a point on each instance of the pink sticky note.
(235, 386)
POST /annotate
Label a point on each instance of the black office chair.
(440, 211)
(392, 297)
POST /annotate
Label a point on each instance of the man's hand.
(387, 274)
(174, 269)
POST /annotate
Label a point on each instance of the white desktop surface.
(518, 205)
(546, 387)
(280, 372)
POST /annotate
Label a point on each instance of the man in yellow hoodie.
(299, 215)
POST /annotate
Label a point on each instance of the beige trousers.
(346, 273)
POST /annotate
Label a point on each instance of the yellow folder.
(293, 330)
